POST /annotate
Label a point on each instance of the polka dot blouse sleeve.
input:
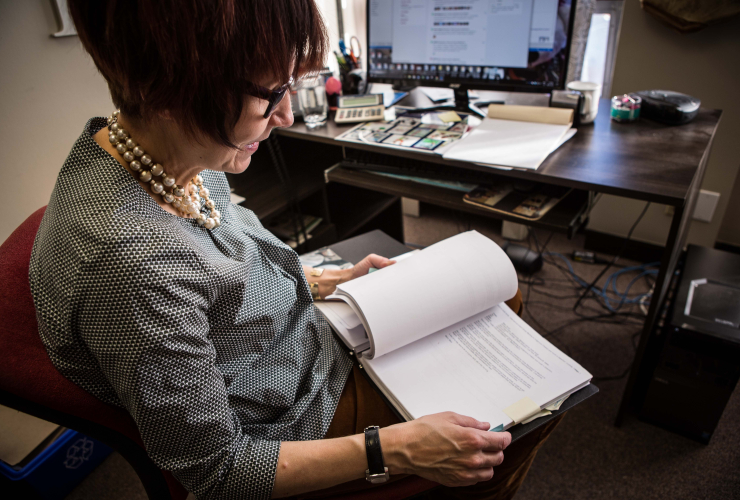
(148, 330)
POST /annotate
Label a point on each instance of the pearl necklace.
(143, 164)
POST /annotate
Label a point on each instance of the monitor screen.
(505, 44)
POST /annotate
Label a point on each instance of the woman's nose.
(283, 115)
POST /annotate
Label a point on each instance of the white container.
(590, 104)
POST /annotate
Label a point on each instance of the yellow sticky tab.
(522, 410)
(450, 116)
(541, 414)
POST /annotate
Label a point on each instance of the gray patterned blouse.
(208, 338)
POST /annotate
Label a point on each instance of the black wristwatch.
(376, 471)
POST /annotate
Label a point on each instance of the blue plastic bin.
(60, 467)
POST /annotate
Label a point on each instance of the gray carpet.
(587, 457)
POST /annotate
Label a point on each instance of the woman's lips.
(252, 147)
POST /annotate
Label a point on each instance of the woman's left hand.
(331, 278)
(372, 260)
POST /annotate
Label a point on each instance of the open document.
(514, 136)
(434, 334)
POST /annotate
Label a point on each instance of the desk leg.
(640, 373)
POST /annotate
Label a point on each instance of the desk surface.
(643, 160)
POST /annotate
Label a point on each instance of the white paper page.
(346, 323)
(236, 199)
(443, 284)
(437, 94)
(508, 143)
(570, 133)
(478, 368)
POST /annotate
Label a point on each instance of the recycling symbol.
(78, 453)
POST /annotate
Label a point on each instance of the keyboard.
(372, 162)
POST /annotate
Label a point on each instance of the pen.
(342, 62)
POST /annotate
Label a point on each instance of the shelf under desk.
(567, 216)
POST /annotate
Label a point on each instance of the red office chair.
(30, 383)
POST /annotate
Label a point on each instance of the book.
(514, 136)
(434, 334)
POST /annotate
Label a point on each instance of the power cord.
(649, 269)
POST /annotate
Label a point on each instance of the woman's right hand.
(447, 448)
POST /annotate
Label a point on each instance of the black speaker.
(697, 361)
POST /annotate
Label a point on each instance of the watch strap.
(376, 470)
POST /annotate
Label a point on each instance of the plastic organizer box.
(54, 472)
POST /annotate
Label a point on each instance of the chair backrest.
(29, 382)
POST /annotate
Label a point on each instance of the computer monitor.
(509, 45)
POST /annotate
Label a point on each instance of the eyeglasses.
(273, 97)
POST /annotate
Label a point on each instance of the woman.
(157, 295)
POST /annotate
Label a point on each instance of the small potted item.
(626, 108)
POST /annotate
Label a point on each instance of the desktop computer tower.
(696, 363)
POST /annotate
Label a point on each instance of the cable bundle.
(650, 269)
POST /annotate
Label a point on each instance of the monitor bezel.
(494, 85)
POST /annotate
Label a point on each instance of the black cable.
(596, 315)
(537, 242)
(557, 297)
(615, 259)
(530, 284)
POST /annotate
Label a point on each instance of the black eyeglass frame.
(273, 97)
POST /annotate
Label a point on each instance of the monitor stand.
(462, 104)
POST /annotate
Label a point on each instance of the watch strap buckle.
(377, 478)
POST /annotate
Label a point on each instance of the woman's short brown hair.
(194, 58)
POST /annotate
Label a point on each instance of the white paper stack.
(515, 136)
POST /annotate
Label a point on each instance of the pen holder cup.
(353, 82)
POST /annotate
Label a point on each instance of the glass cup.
(312, 102)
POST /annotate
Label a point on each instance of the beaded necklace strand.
(189, 205)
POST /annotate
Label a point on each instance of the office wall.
(704, 64)
(354, 17)
(49, 87)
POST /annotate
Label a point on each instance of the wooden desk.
(643, 161)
